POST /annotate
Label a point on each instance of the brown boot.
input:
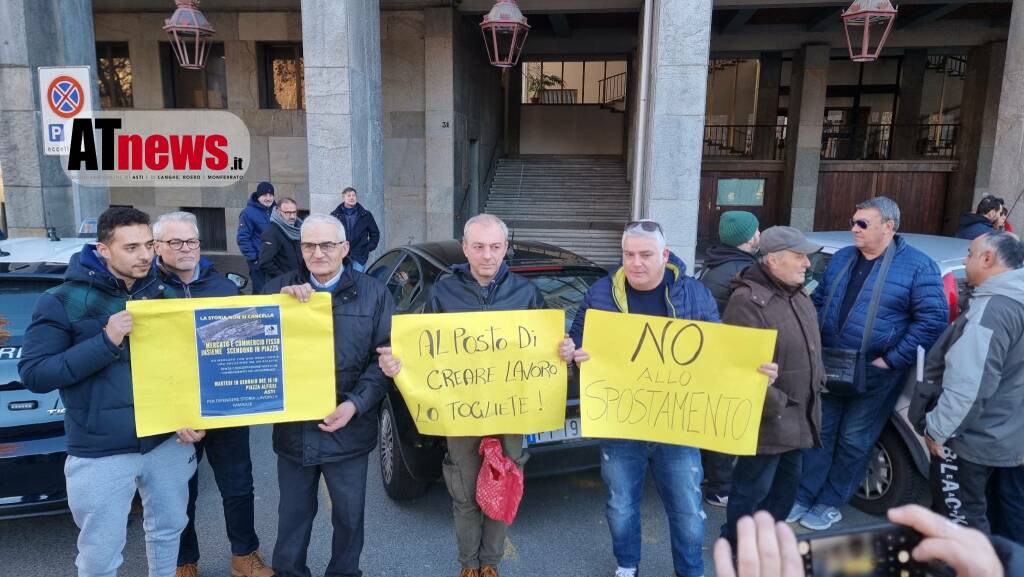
(489, 571)
(469, 572)
(250, 565)
(187, 570)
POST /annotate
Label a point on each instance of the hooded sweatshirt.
(721, 265)
(973, 394)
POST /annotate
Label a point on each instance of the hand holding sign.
(480, 373)
(674, 381)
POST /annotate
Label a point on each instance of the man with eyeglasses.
(911, 311)
(336, 449)
(651, 281)
(279, 251)
(186, 272)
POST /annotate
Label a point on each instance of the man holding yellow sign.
(646, 393)
(485, 284)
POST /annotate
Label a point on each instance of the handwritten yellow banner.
(483, 373)
(674, 381)
(225, 362)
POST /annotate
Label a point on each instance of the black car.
(32, 441)
(409, 461)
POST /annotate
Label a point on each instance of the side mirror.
(240, 281)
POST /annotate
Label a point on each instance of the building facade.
(670, 109)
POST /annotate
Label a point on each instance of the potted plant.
(538, 82)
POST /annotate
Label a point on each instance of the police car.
(32, 441)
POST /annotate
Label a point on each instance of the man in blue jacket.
(912, 312)
(651, 281)
(252, 221)
(360, 228)
(182, 268)
(78, 343)
(984, 220)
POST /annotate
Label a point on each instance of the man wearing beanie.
(252, 221)
(739, 238)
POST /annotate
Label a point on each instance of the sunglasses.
(647, 225)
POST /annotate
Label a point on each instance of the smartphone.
(880, 550)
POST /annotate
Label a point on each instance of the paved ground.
(560, 531)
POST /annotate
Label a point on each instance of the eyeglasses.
(177, 243)
(860, 223)
(325, 247)
(647, 225)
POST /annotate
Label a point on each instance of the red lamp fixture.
(504, 29)
(190, 33)
(867, 25)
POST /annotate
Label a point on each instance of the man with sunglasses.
(651, 281)
(910, 311)
(189, 275)
(337, 448)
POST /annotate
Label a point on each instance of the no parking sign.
(65, 93)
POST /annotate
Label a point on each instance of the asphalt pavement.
(560, 531)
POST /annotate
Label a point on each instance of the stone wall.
(278, 136)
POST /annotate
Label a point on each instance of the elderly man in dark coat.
(770, 295)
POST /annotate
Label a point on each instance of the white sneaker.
(623, 572)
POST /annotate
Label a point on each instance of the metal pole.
(640, 162)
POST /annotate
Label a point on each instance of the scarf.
(290, 230)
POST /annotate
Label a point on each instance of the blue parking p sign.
(55, 132)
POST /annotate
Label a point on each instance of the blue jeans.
(228, 451)
(677, 475)
(256, 278)
(762, 482)
(850, 426)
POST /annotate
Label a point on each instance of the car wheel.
(891, 479)
(398, 483)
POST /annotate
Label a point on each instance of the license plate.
(571, 430)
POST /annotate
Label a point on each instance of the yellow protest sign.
(482, 373)
(674, 381)
(207, 363)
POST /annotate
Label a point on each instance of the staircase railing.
(740, 140)
(612, 88)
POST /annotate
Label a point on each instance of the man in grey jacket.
(970, 402)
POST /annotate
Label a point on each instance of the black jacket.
(66, 349)
(721, 265)
(974, 225)
(459, 292)
(362, 322)
(363, 237)
(278, 253)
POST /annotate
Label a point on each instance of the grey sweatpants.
(100, 493)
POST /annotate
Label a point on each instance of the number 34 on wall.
(445, 124)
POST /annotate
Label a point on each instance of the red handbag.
(499, 485)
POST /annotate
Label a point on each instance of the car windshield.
(565, 289)
(819, 261)
(17, 300)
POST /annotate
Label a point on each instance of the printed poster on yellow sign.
(225, 362)
(482, 373)
(674, 381)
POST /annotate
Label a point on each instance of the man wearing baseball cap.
(770, 295)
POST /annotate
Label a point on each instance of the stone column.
(976, 141)
(439, 74)
(908, 108)
(37, 193)
(767, 112)
(803, 136)
(1007, 179)
(675, 119)
(341, 48)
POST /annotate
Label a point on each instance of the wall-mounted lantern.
(504, 29)
(190, 33)
(867, 24)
